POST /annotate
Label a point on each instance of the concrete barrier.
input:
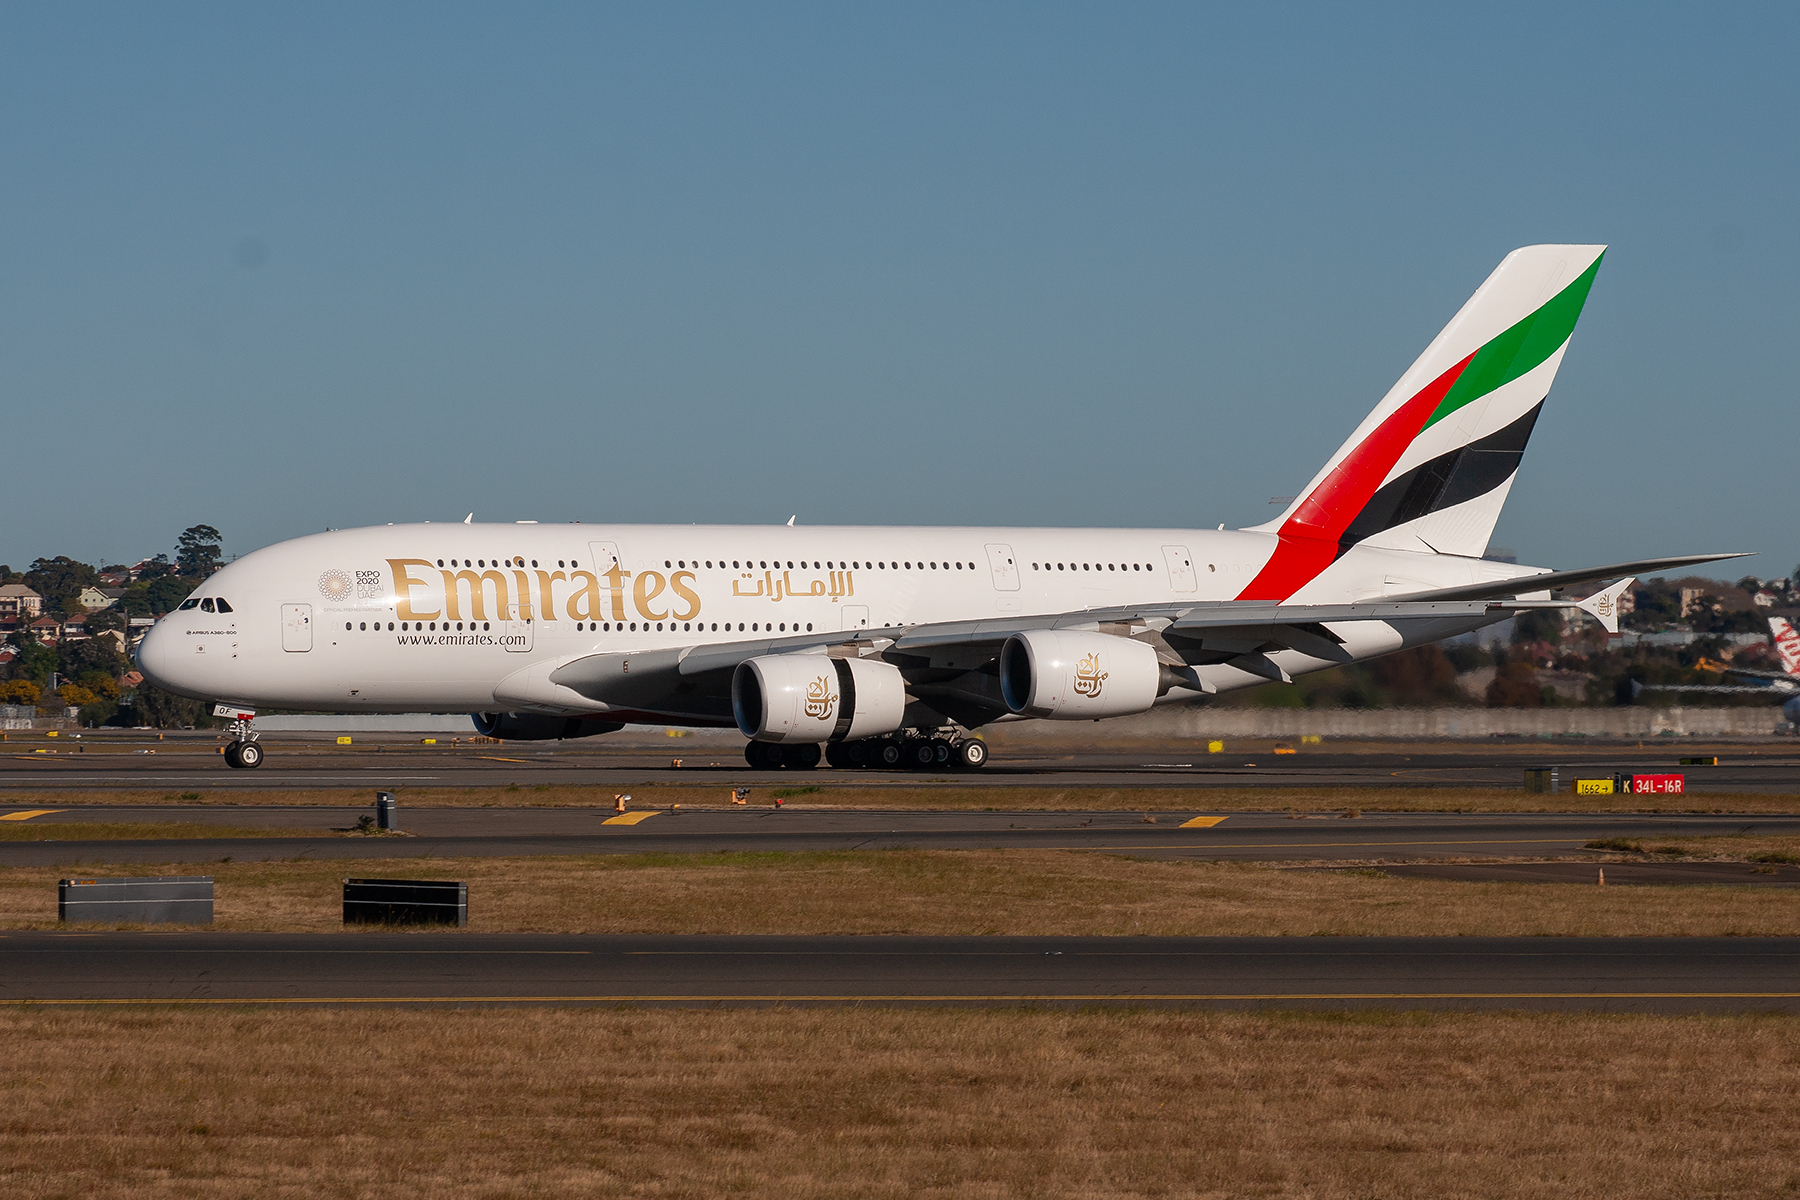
(1203, 724)
(150, 900)
(405, 902)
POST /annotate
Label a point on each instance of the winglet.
(1603, 606)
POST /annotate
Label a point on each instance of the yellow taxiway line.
(28, 814)
(631, 818)
(1200, 823)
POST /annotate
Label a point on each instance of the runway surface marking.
(630, 818)
(950, 998)
(28, 814)
(492, 758)
(1200, 823)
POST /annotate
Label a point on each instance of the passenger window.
(224, 607)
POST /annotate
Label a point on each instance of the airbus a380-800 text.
(892, 645)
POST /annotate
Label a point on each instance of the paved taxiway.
(1615, 974)
(490, 832)
(122, 760)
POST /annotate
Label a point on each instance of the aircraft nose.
(158, 660)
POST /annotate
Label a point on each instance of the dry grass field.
(957, 795)
(115, 1104)
(949, 892)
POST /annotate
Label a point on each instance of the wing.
(953, 666)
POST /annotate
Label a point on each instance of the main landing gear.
(918, 751)
(242, 751)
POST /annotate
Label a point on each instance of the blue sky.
(282, 268)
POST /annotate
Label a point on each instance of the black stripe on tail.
(1453, 478)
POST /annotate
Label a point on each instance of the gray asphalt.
(127, 760)
(492, 832)
(1609, 974)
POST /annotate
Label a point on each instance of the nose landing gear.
(242, 751)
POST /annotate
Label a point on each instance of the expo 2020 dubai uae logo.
(336, 585)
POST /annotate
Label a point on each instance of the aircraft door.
(606, 556)
(856, 616)
(1006, 571)
(516, 636)
(1181, 568)
(296, 628)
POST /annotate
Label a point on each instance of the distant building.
(74, 629)
(94, 599)
(17, 600)
(1764, 599)
(46, 630)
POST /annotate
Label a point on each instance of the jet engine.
(1067, 675)
(811, 698)
(531, 727)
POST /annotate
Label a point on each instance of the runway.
(1609, 974)
(492, 832)
(127, 760)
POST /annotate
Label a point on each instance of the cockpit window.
(223, 607)
(187, 604)
(206, 605)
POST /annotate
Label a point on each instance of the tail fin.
(1787, 644)
(1431, 466)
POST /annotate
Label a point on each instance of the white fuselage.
(440, 617)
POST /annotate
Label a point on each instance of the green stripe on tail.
(1519, 349)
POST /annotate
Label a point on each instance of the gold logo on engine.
(1089, 676)
(819, 699)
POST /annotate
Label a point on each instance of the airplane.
(1783, 683)
(891, 646)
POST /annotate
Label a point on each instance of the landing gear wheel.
(802, 757)
(972, 755)
(886, 754)
(940, 753)
(231, 754)
(836, 755)
(856, 754)
(921, 754)
(762, 756)
(249, 755)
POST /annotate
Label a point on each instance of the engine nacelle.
(1067, 675)
(811, 698)
(532, 727)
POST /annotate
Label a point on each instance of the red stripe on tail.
(1308, 540)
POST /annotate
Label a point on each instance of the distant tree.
(156, 567)
(198, 551)
(35, 661)
(90, 654)
(1515, 686)
(19, 691)
(157, 594)
(100, 683)
(59, 581)
(164, 710)
(1536, 626)
(73, 695)
(1419, 676)
(108, 618)
(8, 575)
